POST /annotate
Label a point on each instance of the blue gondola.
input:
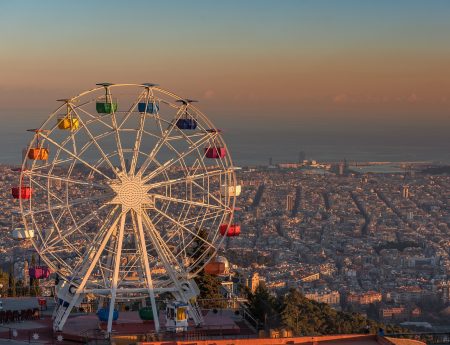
(103, 314)
(187, 123)
(152, 108)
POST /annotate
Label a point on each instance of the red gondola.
(233, 231)
(39, 272)
(215, 152)
(21, 192)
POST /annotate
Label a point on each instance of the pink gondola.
(39, 272)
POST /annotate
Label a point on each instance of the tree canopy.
(306, 317)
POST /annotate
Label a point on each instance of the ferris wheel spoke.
(180, 225)
(68, 244)
(198, 164)
(74, 202)
(50, 194)
(94, 118)
(61, 162)
(106, 271)
(210, 215)
(96, 143)
(146, 266)
(130, 111)
(98, 244)
(141, 131)
(64, 179)
(169, 261)
(210, 195)
(188, 178)
(172, 161)
(88, 266)
(118, 141)
(184, 201)
(115, 276)
(75, 156)
(82, 222)
(160, 142)
(198, 222)
(137, 144)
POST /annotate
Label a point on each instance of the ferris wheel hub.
(131, 193)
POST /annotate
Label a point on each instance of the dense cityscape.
(375, 243)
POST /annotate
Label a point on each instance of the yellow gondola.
(67, 121)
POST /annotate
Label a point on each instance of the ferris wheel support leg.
(185, 289)
(109, 260)
(116, 272)
(139, 269)
(196, 313)
(187, 294)
(148, 276)
(89, 266)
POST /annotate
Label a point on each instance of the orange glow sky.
(304, 62)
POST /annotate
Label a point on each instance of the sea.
(256, 145)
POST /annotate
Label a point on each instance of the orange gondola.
(38, 152)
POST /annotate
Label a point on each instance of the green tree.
(263, 305)
(208, 285)
(306, 317)
(21, 288)
(4, 279)
(11, 282)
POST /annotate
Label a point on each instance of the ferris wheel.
(129, 191)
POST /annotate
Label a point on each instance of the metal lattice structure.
(129, 202)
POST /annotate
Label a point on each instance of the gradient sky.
(329, 65)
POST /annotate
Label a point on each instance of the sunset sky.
(342, 64)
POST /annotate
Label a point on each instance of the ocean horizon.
(255, 142)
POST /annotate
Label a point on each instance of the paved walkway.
(12, 303)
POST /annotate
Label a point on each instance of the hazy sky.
(344, 65)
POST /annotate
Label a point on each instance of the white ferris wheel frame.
(219, 208)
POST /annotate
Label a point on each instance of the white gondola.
(177, 316)
(231, 190)
(22, 234)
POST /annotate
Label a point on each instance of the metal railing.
(427, 337)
